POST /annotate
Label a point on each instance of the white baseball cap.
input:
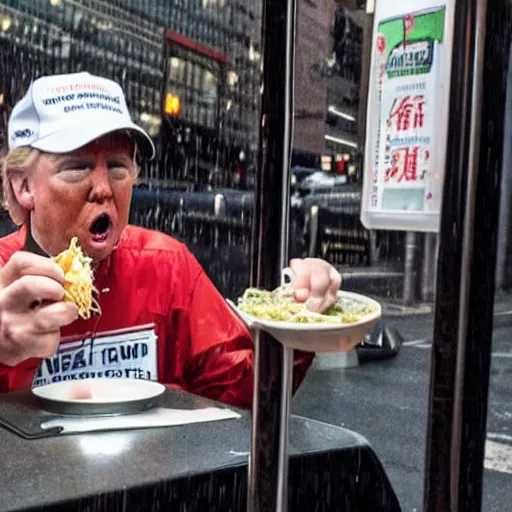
(61, 113)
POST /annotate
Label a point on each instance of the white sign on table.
(125, 353)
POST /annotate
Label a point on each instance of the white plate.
(99, 396)
(321, 337)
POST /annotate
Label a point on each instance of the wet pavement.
(387, 401)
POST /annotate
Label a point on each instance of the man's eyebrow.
(120, 156)
(70, 157)
(74, 158)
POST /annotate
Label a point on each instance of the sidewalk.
(503, 309)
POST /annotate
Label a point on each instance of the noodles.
(280, 305)
(78, 279)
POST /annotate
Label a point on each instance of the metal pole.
(268, 461)
(365, 72)
(283, 459)
(268, 481)
(372, 235)
(463, 322)
(504, 263)
(291, 13)
(429, 267)
(313, 231)
(409, 294)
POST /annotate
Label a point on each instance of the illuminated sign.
(172, 105)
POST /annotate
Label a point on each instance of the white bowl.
(317, 337)
(99, 396)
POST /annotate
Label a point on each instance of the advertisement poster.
(407, 118)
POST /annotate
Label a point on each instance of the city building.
(190, 69)
(328, 70)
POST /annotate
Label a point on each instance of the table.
(187, 468)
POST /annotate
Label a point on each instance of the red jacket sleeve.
(221, 348)
(4, 378)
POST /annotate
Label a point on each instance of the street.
(387, 402)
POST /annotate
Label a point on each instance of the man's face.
(86, 194)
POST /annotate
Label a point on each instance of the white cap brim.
(71, 138)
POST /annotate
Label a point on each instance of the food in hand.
(78, 279)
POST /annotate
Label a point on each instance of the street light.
(6, 23)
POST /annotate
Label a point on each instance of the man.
(70, 172)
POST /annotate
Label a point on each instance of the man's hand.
(316, 281)
(32, 310)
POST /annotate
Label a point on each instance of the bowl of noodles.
(291, 323)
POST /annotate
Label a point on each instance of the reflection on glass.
(204, 116)
(192, 92)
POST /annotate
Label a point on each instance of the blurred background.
(191, 70)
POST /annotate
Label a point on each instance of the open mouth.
(100, 226)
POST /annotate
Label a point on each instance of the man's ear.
(22, 191)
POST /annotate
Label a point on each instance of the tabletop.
(198, 467)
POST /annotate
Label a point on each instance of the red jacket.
(151, 278)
